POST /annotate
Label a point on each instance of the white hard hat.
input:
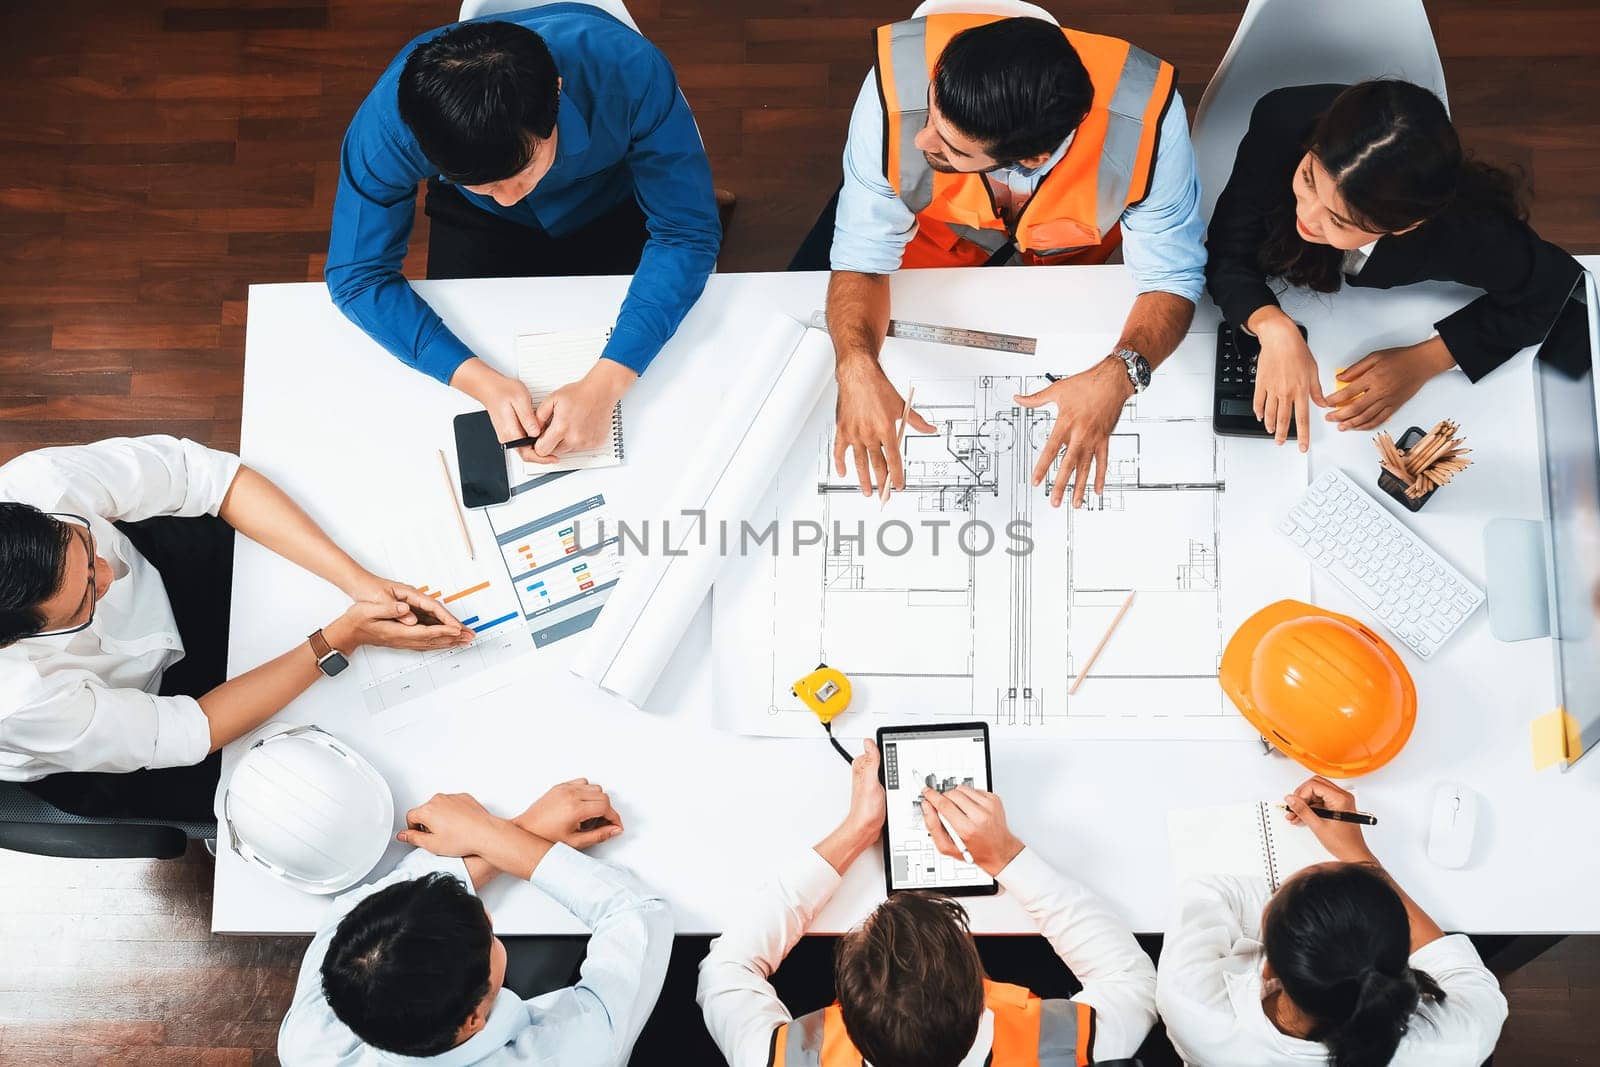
(309, 810)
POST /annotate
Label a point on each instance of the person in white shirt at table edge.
(1339, 967)
(408, 967)
(911, 989)
(116, 566)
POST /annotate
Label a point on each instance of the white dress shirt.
(591, 1024)
(742, 1009)
(1210, 989)
(87, 701)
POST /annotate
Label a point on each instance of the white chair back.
(1303, 42)
(1009, 8)
(475, 9)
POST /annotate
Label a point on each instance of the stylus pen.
(1360, 817)
(951, 830)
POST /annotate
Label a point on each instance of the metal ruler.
(950, 335)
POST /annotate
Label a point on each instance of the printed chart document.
(968, 596)
(546, 362)
(1248, 840)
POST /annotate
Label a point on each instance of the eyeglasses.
(90, 593)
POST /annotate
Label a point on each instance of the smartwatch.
(1138, 368)
(330, 660)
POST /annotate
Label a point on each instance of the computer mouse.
(1453, 825)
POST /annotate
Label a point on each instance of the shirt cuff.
(208, 475)
(422, 862)
(440, 357)
(1028, 876)
(183, 733)
(565, 874)
(632, 349)
(811, 878)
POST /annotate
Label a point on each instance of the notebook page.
(1221, 839)
(546, 362)
(1293, 847)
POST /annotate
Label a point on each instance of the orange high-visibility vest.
(1073, 215)
(1028, 1032)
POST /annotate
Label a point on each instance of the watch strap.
(320, 647)
(1131, 361)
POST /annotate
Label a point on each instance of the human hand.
(869, 805)
(506, 399)
(980, 819)
(1286, 380)
(450, 824)
(419, 606)
(394, 624)
(865, 419)
(1088, 406)
(577, 416)
(576, 813)
(1343, 840)
(1378, 384)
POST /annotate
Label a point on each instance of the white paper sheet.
(931, 627)
(741, 438)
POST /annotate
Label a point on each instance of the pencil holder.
(1394, 486)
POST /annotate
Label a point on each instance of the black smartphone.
(485, 480)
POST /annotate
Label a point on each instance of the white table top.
(335, 421)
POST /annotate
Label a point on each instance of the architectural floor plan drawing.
(969, 596)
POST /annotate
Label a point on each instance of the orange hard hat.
(1324, 689)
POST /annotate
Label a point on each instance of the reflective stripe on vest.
(1063, 216)
(1028, 1032)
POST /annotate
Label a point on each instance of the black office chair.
(28, 824)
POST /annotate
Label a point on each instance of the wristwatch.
(1138, 368)
(330, 660)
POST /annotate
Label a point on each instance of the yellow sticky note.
(1340, 383)
(1556, 739)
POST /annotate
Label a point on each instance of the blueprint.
(968, 597)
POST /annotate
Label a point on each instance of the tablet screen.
(917, 759)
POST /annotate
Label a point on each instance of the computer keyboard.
(1406, 584)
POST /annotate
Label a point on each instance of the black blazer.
(1525, 279)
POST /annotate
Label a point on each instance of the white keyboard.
(1406, 584)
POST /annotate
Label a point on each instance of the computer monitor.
(1568, 402)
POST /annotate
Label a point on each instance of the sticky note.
(1556, 739)
(1340, 383)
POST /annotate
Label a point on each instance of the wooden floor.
(157, 158)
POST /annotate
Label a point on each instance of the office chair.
(1304, 42)
(28, 824)
(1009, 8)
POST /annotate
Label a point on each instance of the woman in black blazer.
(1367, 185)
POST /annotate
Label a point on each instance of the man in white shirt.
(116, 564)
(911, 990)
(408, 967)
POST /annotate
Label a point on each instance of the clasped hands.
(578, 814)
(1088, 406)
(574, 418)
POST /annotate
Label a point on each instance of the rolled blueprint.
(759, 419)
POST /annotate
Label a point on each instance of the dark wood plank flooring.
(157, 157)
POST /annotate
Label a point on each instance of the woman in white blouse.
(1338, 967)
(116, 561)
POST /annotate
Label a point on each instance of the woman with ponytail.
(1339, 967)
(1367, 185)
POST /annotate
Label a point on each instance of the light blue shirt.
(593, 1023)
(1163, 236)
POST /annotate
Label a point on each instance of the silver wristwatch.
(1138, 368)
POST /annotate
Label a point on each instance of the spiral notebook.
(546, 362)
(1248, 840)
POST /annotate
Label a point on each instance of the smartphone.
(485, 480)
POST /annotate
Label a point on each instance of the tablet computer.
(929, 757)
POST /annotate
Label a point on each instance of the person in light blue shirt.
(554, 141)
(408, 969)
(1013, 103)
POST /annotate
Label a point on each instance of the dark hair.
(478, 97)
(1017, 85)
(1339, 940)
(408, 965)
(910, 984)
(1398, 162)
(33, 555)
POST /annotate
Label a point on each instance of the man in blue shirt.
(555, 141)
(1020, 142)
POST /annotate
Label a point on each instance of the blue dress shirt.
(624, 130)
(1163, 236)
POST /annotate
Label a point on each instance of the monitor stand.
(1518, 582)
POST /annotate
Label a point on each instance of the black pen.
(1360, 817)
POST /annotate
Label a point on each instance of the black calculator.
(1234, 393)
